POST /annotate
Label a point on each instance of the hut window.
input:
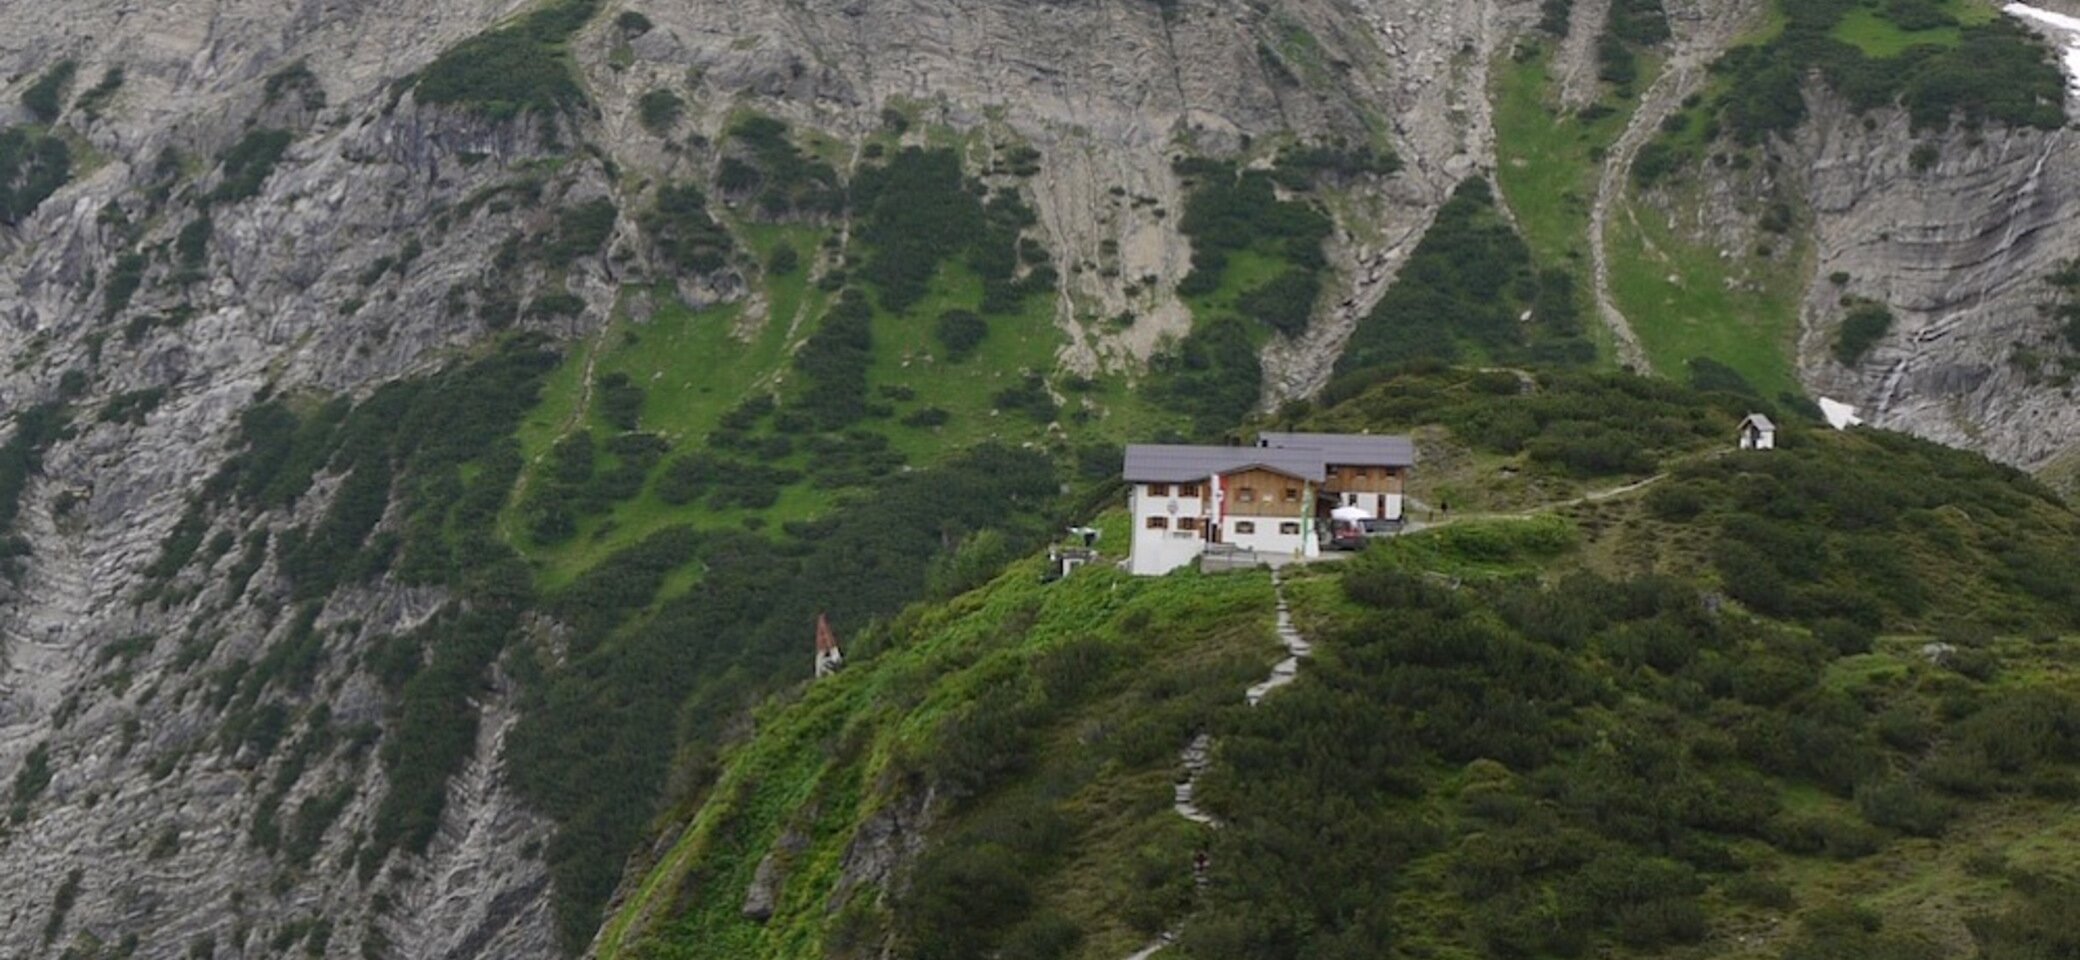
(1158, 489)
(1292, 494)
(1188, 490)
(1159, 523)
(1187, 523)
(1289, 528)
(1245, 526)
(1246, 495)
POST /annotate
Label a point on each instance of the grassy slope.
(1683, 298)
(696, 365)
(837, 749)
(1921, 886)
(1690, 299)
(1879, 37)
(842, 748)
(1548, 169)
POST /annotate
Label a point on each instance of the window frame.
(1245, 528)
(1156, 523)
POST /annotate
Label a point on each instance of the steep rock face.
(149, 816)
(1959, 249)
(1110, 92)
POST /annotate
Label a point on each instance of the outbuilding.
(1758, 433)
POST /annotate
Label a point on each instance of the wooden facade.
(1345, 478)
(1263, 493)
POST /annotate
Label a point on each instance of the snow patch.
(1840, 416)
(2063, 27)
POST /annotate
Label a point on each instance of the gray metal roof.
(1178, 463)
(1761, 422)
(1349, 449)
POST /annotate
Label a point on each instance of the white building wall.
(1267, 540)
(1157, 552)
(1385, 506)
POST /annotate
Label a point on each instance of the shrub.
(1757, 890)
(1905, 806)
(659, 111)
(248, 164)
(620, 401)
(835, 358)
(125, 278)
(1285, 302)
(97, 98)
(32, 167)
(33, 776)
(46, 97)
(1030, 397)
(580, 231)
(1212, 376)
(1464, 289)
(784, 261)
(1866, 324)
(960, 331)
(916, 213)
(521, 68)
(926, 417)
(779, 179)
(296, 78)
(685, 235)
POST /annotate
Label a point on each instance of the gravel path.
(1198, 755)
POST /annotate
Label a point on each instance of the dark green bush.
(774, 174)
(1029, 396)
(580, 231)
(685, 235)
(835, 359)
(917, 212)
(620, 401)
(1865, 325)
(96, 99)
(1905, 806)
(659, 110)
(784, 261)
(46, 97)
(1285, 302)
(520, 68)
(248, 164)
(1463, 291)
(1213, 376)
(960, 332)
(298, 79)
(32, 167)
(125, 278)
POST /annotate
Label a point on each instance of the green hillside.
(1695, 718)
